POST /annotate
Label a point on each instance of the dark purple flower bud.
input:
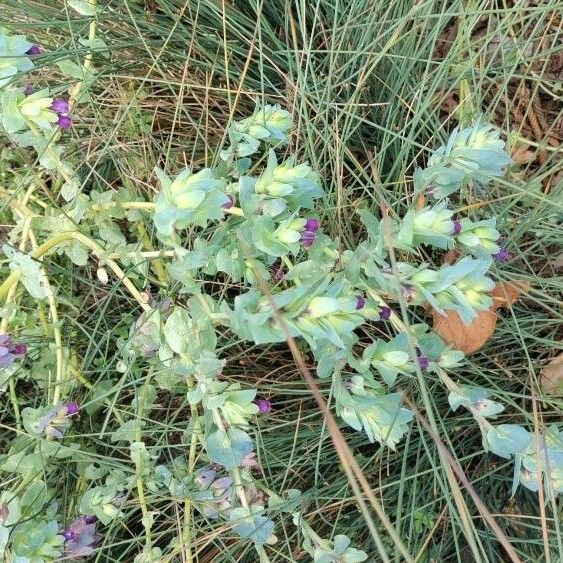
(384, 313)
(33, 50)
(64, 122)
(360, 302)
(28, 90)
(71, 408)
(228, 204)
(457, 227)
(264, 406)
(10, 351)
(502, 255)
(20, 350)
(312, 225)
(81, 538)
(89, 519)
(60, 106)
(277, 275)
(307, 238)
(422, 362)
(4, 512)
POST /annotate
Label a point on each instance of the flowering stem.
(237, 482)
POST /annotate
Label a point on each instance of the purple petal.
(423, 362)
(502, 255)
(33, 50)
(307, 238)
(360, 302)
(71, 408)
(64, 122)
(457, 227)
(228, 204)
(264, 406)
(384, 313)
(60, 106)
(312, 225)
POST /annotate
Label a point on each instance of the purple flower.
(56, 420)
(277, 275)
(312, 225)
(71, 408)
(457, 227)
(502, 255)
(64, 122)
(33, 50)
(307, 238)
(309, 232)
(60, 106)
(384, 313)
(10, 351)
(264, 406)
(28, 90)
(408, 291)
(228, 204)
(215, 495)
(360, 302)
(81, 538)
(422, 362)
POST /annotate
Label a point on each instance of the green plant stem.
(139, 467)
(94, 247)
(75, 92)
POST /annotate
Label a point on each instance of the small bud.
(457, 227)
(71, 408)
(33, 50)
(384, 313)
(60, 106)
(277, 275)
(422, 362)
(360, 302)
(264, 406)
(64, 122)
(502, 255)
(102, 275)
(228, 204)
(312, 225)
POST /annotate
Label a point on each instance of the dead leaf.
(551, 376)
(467, 338)
(506, 293)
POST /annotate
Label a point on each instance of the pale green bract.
(13, 59)
(189, 199)
(475, 153)
(269, 124)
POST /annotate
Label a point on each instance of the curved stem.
(94, 247)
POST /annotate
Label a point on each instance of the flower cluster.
(10, 351)
(476, 153)
(81, 538)
(268, 124)
(57, 419)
